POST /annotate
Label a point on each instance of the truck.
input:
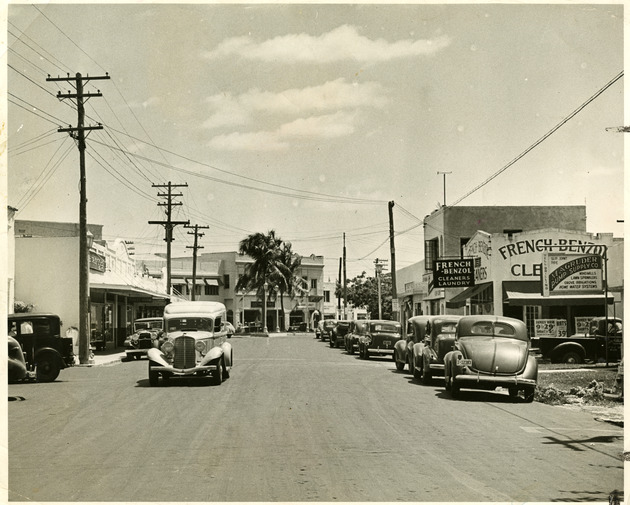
(602, 340)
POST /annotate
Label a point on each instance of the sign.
(550, 328)
(97, 262)
(582, 325)
(455, 273)
(564, 274)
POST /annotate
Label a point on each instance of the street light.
(265, 307)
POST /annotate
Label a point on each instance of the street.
(298, 421)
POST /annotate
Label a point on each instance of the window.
(226, 281)
(313, 283)
(431, 253)
(211, 290)
(326, 296)
(179, 288)
(532, 312)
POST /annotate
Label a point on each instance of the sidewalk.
(106, 357)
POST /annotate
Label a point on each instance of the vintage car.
(351, 340)
(298, 328)
(195, 343)
(409, 350)
(16, 370)
(338, 333)
(490, 352)
(438, 340)
(379, 337)
(146, 335)
(326, 326)
(46, 352)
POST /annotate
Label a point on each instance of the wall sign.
(455, 273)
(97, 262)
(564, 274)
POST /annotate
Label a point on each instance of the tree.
(362, 291)
(274, 263)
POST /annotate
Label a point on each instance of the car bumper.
(437, 367)
(197, 370)
(479, 381)
(378, 350)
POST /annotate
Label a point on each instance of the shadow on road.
(178, 382)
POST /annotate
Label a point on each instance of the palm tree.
(264, 250)
(285, 276)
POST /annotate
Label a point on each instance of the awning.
(198, 281)
(519, 298)
(460, 300)
(211, 282)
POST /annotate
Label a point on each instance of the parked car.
(439, 339)
(409, 350)
(16, 370)
(351, 340)
(45, 351)
(338, 333)
(195, 343)
(379, 337)
(298, 327)
(327, 326)
(147, 332)
(491, 351)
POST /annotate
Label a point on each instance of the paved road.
(297, 421)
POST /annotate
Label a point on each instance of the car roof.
(194, 309)
(467, 322)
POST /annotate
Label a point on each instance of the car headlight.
(200, 346)
(167, 347)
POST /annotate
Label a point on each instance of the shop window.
(483, 302)
(211, 290)
(179, 288)
(531, 313)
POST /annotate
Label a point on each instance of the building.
(509, 270)
(448, 229)
(47, 276)
(217, 275)
(10, 264)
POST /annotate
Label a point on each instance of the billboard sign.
(455, 273)
(571, 274)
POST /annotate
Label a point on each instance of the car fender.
(212, 355)
(450, 363)
(531, 369)
(227, 352)
(400, 351)
(568, 346)
(157, 356)
(417, 351)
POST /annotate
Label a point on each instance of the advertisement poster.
(550, 328)
(571, 274)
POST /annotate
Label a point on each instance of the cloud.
(325, 126)
(230, 110)
(342, 43)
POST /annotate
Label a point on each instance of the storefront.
(509, 272)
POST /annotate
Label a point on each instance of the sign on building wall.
(480, 248)
(97, 262)
(573, 274)
(455, 273)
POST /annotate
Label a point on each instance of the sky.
(309, 118)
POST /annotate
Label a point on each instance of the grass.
(557, 384)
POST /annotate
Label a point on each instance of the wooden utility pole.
(392, 250)
(444, 174)
(339, 295)
(78, 134)
(169, 224)
(194, 248)
(345, 281)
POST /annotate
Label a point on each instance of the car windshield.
(385, 328)
(189, 324)
(147, 325)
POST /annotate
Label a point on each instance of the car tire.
(416, 374)
(455, 389)
(351, 348)
(513, 392)
(529, 394)
(154, 377)
(217, 375)
(46, 368)
(399, 366)
(426, 374)
(331, 343)
(571, 357)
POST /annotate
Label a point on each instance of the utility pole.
(444, 174)
(194, 248)
(378, 268)
(84, 270)
(345, 281)
(169, 224)
(339, 295)
(392, 251)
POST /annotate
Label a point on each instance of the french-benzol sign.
(455, 273)
(571, 274)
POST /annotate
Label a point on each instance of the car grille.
(184, 352)
(144, 344)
